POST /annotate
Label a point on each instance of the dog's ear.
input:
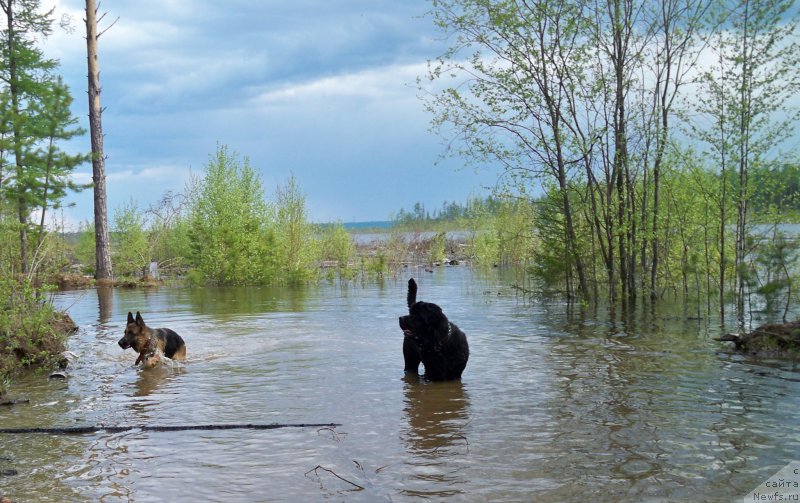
(130, 317)
(412, 292)
(139, 319)
(432, 315)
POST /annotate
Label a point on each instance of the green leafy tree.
(132, 254)
(744, 97)
(231, 242)
(337, 246)
(168, 232)
(294, 237)
(774, 276)
(511, 99)
(506, 236)
(84, 249)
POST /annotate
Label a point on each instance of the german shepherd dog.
(151, 343)
(430, 338)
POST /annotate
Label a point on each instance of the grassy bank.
(32, 333)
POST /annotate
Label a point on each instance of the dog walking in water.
(430, 338)
(151, 343)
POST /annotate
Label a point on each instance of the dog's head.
(425, 321)
(136, 335)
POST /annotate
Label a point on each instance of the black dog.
(431, 339)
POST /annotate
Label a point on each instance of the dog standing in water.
(151, 343)
(432, 339)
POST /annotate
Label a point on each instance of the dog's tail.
(412, 292)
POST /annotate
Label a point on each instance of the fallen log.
(82, 430)
(782, 339)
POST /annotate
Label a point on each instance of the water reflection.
(437, 415)
(232, 301)
(105, 301)
(148, 381)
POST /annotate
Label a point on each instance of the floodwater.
(553, 406)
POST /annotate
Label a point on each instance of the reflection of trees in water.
(230, 301)
(105, 302)
(655, 414)
(437, 415)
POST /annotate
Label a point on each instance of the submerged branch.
(81, 430)
(320, 467)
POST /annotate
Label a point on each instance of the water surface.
(553, 406)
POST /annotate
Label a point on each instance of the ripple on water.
(553, 405)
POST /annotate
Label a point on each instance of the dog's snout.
(123, 343)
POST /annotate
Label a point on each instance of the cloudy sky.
(321, 90)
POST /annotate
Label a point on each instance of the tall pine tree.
(35, 172)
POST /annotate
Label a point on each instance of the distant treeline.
(450, 211)
(775, 187)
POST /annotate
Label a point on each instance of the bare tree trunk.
(722, 230)
(620, 34)
(102, 248)
(744, 151)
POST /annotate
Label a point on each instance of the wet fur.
(151, 343)
(431, 339)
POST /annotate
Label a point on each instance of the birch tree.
(744, 97)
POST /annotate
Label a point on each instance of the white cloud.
(82, 177)
(382, 83)
(162, 173)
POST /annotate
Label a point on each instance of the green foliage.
(84, 249)
(578, 102)
(550, 265)
(390, 256)
(776, 191)
(375, 265)
(774, 270)
(35, 174)
(228, 216)
(437, 252)
(9, 242)
(295, 246)
(30, 329)
(224, 232)
(451, 214)
(130, 247)
(172, 245)
(503, 233)
(50, 166)
(167, 232)
(337, 248)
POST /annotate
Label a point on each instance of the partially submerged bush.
(32, 332)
